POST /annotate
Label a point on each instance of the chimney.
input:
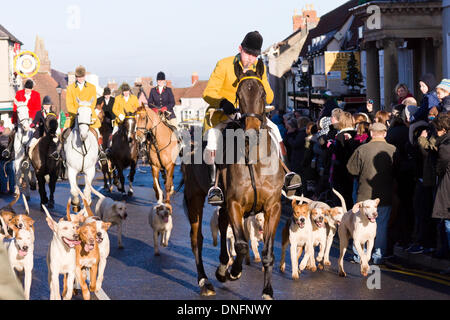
(307, 18)
(298, 21)
(195, 78)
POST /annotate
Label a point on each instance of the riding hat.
(252, 43)
(107, 91)
(29, 84)
(80, 72)
(47, 101)
(125, 87)
(161, 76)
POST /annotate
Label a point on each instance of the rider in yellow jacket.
(220, 93)
(124, 104)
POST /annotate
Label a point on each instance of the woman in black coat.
(161, 97)
(442, 203)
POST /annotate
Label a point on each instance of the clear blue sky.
(125, 39)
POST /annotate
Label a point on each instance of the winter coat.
(162, 100)
(34, 104)
(122, 107)
(442, 203)
(444, 106)
(296, 144)
(375, 164)
(223, 85)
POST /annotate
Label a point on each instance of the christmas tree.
(354, 77)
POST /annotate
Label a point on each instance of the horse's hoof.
(221, 278)
(206, 288)
(233, 278)
(267, 297)
(130, 193)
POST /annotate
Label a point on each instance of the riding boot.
(215, 194)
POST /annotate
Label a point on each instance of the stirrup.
(215, 196)
(55, 156)
(292, 181)
(6, 154)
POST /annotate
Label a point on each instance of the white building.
(9, 83)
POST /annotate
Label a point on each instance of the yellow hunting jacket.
(88, 93)
(123, 107)
(223, 85)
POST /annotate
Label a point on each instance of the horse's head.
(251, 96)
(23, 115)
(129, 125)
(84, 118)
(51, 123)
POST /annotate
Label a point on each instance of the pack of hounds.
(80, 245)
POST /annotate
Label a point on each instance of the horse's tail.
(15, 199)
(344, 206)
(301, 199)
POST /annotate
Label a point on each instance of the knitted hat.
(252, 43)
(444, 85)
(161, 76)
(29, 84)
(47, 101)
(80, 72)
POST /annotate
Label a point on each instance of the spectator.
(279, 122)
(428, 88)
(441, 208)
(362, 132)
(368, 109)
(402, 92)
(343, 147)
(329, 105)
(2, 126)
(360, 117)
(310, 160)
(374, 164)
(295, 143)
(6, 166)
(383, 117)
(443, 93)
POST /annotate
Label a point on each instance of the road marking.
(101, 295)
(432, 274)
(417, 275)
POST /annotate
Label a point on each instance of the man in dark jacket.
(108, 119)
(161, 98)
(375, 164)
(442, 203)
(430, 99)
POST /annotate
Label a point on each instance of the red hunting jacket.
(34, 105)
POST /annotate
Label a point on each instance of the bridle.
(260, 117)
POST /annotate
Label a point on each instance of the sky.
(126, 39)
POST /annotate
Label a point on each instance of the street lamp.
(294, 71)
(59, 91)
(305, 69)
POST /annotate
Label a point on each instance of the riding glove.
(227, 107)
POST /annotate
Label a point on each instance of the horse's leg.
(90, 174)
(41, 185)
(169, 182)
(72, 175)
(194, 205)
(131, 178)
(105, 174)
(272, 218)
(156, 186)
(235, 215)
(221, 273)
(52, 186)
(121, 180)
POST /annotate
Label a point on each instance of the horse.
(43, 163)
(249, 189)
(81, 152)
(124, 153)
(105, 131)
(162, 149)
(22, 138)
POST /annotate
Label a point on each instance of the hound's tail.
(344, 206)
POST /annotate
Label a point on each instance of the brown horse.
(124, 153)
(43, 163)
(162, 146)
(248, 189)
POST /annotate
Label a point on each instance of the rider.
(84, 91)
(34, 105)
(220, 93)
(39, 123)
(162, 99)
(125, 103)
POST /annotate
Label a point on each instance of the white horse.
(22, 138)
(81, 151)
